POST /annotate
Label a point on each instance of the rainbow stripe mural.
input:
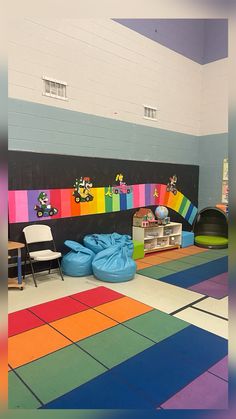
(22, 202)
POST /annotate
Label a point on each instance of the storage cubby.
(159, 237)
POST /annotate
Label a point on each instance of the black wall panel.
(47, 171)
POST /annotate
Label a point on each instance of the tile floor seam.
(64, 317)
(215, 375)
(118, 323)
(124, 325)
(73, 343)
(212, 314)
(188, 305)
(28, 387)
(107, 367)
(41, 357)
(77, 344)
(23, 331)
(121, 323)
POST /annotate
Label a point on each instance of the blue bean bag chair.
(114, 264)
(78, 262)
(98, 242)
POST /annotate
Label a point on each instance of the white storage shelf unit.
(159, 237)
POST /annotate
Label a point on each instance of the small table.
(16, 282)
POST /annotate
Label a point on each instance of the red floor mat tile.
(57, 309)
(97, 296)
(21, 321)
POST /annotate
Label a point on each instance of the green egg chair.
(211, 229)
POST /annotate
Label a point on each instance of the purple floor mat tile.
(210, 288)
(220, 279)
(206, 392)
(221, 368)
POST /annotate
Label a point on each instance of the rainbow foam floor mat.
(200, 270)
(99, 349)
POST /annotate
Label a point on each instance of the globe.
(161, 212)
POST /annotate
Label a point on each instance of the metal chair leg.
(25, 266)
(33, 274)
(59, 266)
(50, 264)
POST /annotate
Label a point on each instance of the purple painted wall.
(216, 40)
(201, 40)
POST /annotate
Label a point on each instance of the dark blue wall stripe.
(148, 194)
(123, 203)
(189, 212)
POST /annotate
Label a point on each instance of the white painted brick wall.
(214, 98)
(111, 71)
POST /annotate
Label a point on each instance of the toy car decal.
(143, 195)
(82, 190)
(171, 185)
(121, 187)
(43, 208)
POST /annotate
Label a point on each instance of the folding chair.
(40, 233)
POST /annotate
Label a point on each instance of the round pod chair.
(211, 229)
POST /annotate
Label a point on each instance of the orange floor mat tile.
(123, 309)
(142, 265)
(143, 260)
(156, 259)
(192, 250)
(82, 325)
(33, 344)
(170, 255)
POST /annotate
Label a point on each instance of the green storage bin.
(138, 250)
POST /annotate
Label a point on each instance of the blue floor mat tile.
(193, 276)
(103, 392)
(167, 367)
(150, 378)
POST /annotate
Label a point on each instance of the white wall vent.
(54, 88)
(150, 112)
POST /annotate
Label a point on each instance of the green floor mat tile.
(175, 265)
(156, 325)
(19, 396)
(155, 271)
(214, 254)
(115, 345)
(195, 260)
(58, 373)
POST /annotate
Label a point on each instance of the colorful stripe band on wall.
(24, 205)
